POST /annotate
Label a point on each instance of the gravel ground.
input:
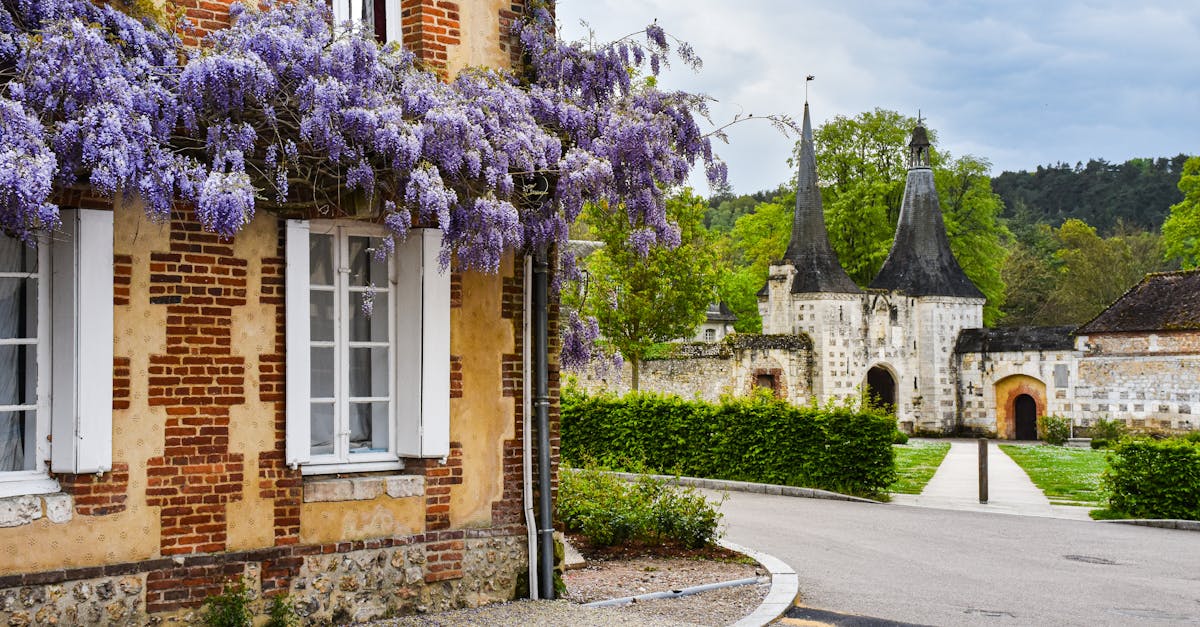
(618, 578)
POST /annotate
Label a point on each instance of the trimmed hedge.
(1154, 479)
(760, 439)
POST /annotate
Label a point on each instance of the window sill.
(26, 483)
(57, 507)
(322, 490)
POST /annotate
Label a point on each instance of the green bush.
(608, 510)
(1108, 430)
(1054, 429)
(899, 437)
(1154, 478)
(1099, 444)
(281, 613)
(760, 439)
(231, 608)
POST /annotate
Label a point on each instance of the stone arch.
(1008, 391)
(881, 384)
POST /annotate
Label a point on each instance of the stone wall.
(734, 366)
(334, 582)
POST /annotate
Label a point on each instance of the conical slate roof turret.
(920, 262)
(817, 267)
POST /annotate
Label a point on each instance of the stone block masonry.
(360, 581)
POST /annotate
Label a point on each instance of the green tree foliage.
(1181, 230)
(863, 162)
(1137, 193)
(1094, 271)
(640, 301)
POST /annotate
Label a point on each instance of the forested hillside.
(1137, 193)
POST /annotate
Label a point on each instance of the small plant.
(282, 613)
(607, 510)
(899, 437)
(1054, 429)
(231, 608)
(1108, 430)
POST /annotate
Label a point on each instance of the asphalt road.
(943, 567)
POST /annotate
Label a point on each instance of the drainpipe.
(541, 403)
(526, 435)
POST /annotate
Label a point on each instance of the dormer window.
(382, 16)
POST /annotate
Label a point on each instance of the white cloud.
(1020, 84)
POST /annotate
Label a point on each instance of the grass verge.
(915, 465)
(1068, 476)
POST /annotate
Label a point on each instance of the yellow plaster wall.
(322, 523)
(483, 418)
(480, 40)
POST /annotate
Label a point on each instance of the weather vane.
(806, 80)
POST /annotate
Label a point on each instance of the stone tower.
(808, 291)
(931, 298)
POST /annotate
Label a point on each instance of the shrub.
(281, 613)
(1107, 430)
(608, 510)
(760, 438)
(1054, 429)
(231, 608)
(1154, 478)
(899, 437)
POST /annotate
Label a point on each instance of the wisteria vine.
(285, 111)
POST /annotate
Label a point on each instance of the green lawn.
(915, 465)
(1068, 476)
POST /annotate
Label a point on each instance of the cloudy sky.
(1018, 83)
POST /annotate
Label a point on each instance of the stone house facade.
(914, 340)
(220, 411)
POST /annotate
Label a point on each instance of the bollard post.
(983, 471)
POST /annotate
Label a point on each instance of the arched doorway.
(1025, 408)
(881, 389)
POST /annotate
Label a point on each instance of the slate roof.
(1014, 339)
(920, 262)
(720, 312)
(1165, 301)
(817, 266)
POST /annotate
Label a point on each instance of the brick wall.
(199, 281)
(429, 26)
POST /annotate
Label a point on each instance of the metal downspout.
(541, 403)
(526, 433)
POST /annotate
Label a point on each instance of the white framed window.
(368, 352)
(56, 353)
(710, 335)
(382, 16)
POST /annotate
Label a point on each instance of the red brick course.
(98, 495)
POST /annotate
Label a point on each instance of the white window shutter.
(423, 347)
(81, 336)
(394, 29)
(296, 356)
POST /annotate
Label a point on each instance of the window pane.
(18, 307)
(366, 267)
(368, 372)
(320, 259)
(369, 427)
(320, 315)
(372, 328)
(17, 429)
(18, 375)
(17, 256)
(321, 429)
(322, 372)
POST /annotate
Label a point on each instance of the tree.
(1181, 230)
(971, 212)
(644, 295)
(1095, 271)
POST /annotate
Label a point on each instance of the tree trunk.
(636, 363)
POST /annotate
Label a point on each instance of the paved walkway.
(955, 485)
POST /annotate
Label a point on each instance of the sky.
(1020, 84)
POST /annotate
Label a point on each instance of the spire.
(817, 267)
(920, 262)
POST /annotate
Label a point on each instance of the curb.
(746, 486)
(785, 587)
(1161, 523)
